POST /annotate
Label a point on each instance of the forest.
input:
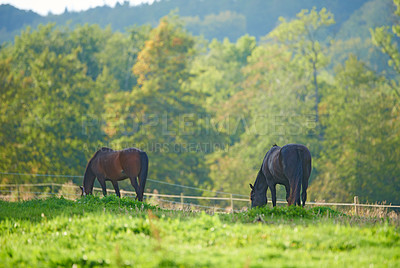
(205, 109)
(223, 19)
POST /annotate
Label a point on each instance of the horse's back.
(293, 147)
(131, 150)
(106, 162)
(130, 154)
(291, 154)
(130, 160)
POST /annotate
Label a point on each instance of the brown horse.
(107, 164)
(289, 166)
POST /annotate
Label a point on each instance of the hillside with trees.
(227, 19)
(224, 18)
(206, 111)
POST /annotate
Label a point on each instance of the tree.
(120, 54)
(281, 91)
(273, 106)
(354, 36)
(48, 98)
(226, 24)
(218, 71)
(303, 37)
(162, 114)
(361, 141)
(385, 40)
(218, 75)
(12, 109)
(91, 40)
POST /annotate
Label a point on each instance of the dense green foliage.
(206, 112)
(115, 232)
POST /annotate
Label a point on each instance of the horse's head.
(258, 198)
(84, 191)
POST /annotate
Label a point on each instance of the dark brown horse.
(107, 164)
(289, 166)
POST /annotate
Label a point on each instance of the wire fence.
(231, 202)
(150, 180)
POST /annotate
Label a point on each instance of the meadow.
(113, 232)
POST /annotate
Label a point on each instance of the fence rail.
(151, 180)
(18, 189)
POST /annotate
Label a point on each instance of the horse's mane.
(89, 174)
(103, 149)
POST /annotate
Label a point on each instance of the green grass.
(93, 232)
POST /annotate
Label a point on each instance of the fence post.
(18, 192)
(52, 188)
(232, 203)
(182, 201)
(355, 205)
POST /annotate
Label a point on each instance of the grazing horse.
(107, 164)
(289, 166)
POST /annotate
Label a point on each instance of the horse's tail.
(297, 179)
(144, 167)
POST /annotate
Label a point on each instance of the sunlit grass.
(115, 232)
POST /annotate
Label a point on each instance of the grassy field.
(93, 231)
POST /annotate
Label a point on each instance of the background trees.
(162, 114)
(206, 112)
(44, 105)
(360, 121)
(306, 38)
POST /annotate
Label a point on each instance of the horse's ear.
(251, 186)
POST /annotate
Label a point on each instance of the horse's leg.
(297, 201)
(304, 191)
(116, 188)
(102, 181)
(273, 194)
(306, 176)
(131, 170)
(136, 186)
(287, 187)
